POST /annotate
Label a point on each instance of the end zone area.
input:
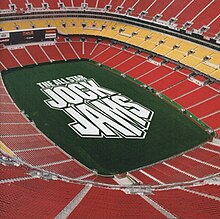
(166, 133)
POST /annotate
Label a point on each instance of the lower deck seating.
(154, 75)
(197, 96)
(23, 57)
(207, 107)
(42, 156)
(212, 120)
(168, 81)
(180, 89)
(113, 204)
(100, 179)
(10, 172)
(37, 53)
(118, 59)
(192, 167)
(8, 107)
(106, 55)
(17, 129)
(7, 59)
(213, 190)
(19, 142)
(167, 174)
(212, 147)
(52, 52)
(36, 197)
(195, 206)
(130, 64)
(141, 177)
(69, 168)
(67, 51)
(12, 117)
(141, 69)
(208, 157)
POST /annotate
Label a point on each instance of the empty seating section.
(207, 107)
(212, 120)
(28, 198)
(69, 168)
(23, 57)
(8, 107)
(167, 174)
(43, 197)
(118, 59)
(113, 204)
(67, 3)
(200, 78)
(141, 6)
(206, 156)
(42, 156)
(100, 179)
(52, 52)
(142, 68)
(98, 49)
(115, 4)
(130, 64)
(7, 59)
(154, 75)
(128, 4)
(191, 11)
(4, 4)
(143, 178)
(77, 3)
(19, 142)
(92, 3)
(12, 117)
(3, 91)
(4, 98)
(174, 9)
(157, 8)
(212, 147)
(2, 67)
(37, 53)
(53, 4)
(213, 28)
(20, 4)
(180, 89)
(102, 3)
(168, 81)
(78, 49)
(10, 172)
(213, 190)
(67, 51)
(37, 3)
(216, 86)
(107, 54)
(197, 96)
(209, 14)
(89, 48)
(195, 206)
(192, 167)
(17, 129)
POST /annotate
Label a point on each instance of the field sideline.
(170, 132)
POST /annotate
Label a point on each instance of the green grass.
(170, 132)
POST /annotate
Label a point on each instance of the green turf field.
(170, 131)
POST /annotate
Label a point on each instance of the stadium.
(110, 109)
